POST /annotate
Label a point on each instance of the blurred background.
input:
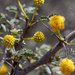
(61, 7)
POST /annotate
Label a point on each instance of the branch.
(22, 36)
(50, 68)
(10, 65)
(65, 49)
(46, 58)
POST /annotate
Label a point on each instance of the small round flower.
(38, 2)
(38, 37)
(57, 22)
(3, 70)
(67, 66)
(8, 40)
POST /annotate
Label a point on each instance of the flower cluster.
(3, 70)
(38, 2)
(67, 66)
(57, 22)
(38, 37)
(8, 40)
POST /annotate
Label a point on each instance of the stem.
(61, 38)
(22, 9)
(25, 38)
(16, 39)
(59, 34)
(33, 15)
(28, 38)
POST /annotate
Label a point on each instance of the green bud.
(20, 66)
(57, 57)
(14, 32)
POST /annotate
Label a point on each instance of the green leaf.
(72, 42)
(29, 11)
(45, 47)
(3, 16)
(20, 31)
(25, 52)
(44, 18)
(42, 50)
(4, 27)
(11, 8)
(51, 15)
(16, 21)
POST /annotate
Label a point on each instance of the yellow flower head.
(8, 40)
(67, 66)
(57, 22)
(38, 37)
(38, 2)
(3, 70)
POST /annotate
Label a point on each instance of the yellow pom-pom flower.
(57, 22)
(8, 40)
(67, 66)
(38, 2)
(38, 37)
(3, 70)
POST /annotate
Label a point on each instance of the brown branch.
(22, 36)
(46, 58)
(20, 18)
(72, 9)
(50, 68)
(10, 65)
(65, 49)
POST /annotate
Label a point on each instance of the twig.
(10, 65)
(7, 59)
(50, 68)
(8, 72)
(20, 18)
(34, 23)
(50, 30)
(72, 9)
(13, 48)
(65, 49)
(14, 63)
